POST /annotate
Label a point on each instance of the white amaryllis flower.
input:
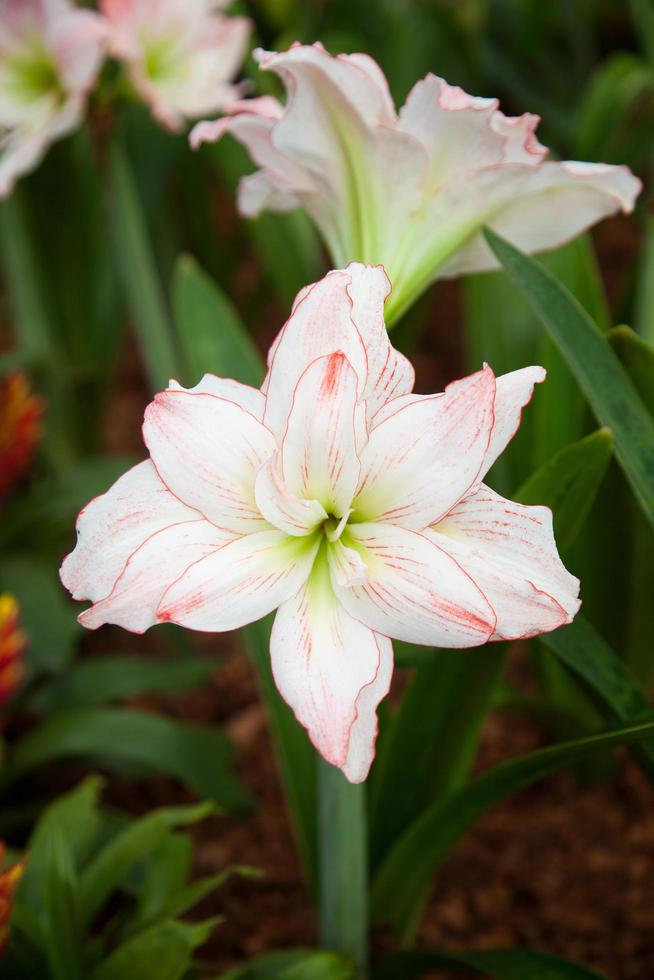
(410, 190)
(50, 54)
(337, 496)
(181, 55)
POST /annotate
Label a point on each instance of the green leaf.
(497, 964)
(428, 744)
(198, 756)
(295, 754)
(76, 817)
(210, 333)
(644, 313)
(605, 676)
(141, 283)
(61, 909)
(604, 381)
(108, 869)
(163, 875)
(609, 108)
(113, 677)
(569, 482)
(47, 615)
(163, 951)
(295, 964)
(638, 358)
(400, 884)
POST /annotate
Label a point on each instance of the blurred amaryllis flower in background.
(12, 647)
(410, 190)
(50, 54)
(20, 429)
(337, 495)
(9, 880)
(181, 55)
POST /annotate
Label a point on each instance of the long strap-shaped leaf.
(600, 374)
(498, 964)
(399, 887)
(610, 683)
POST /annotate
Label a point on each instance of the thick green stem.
(343, 891)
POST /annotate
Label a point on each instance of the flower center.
(334, 526)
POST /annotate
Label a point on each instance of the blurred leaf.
(164, 951)
(638, 358)
(295, 964)
(497, 964)
(108, 868)
(643, 16)
(400, 885)
(644, 312)
(210, 333)
(189, 896)
(607, 113)
(605, 677)
(199, 756)
(568, 483)
(163, 875)
(143, 290)
(47, 615)
(111, 678)
(604, 381)
(75, 816)
(295, 754)
(60, 910)
(427, 746)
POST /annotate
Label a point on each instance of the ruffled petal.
(240, 583)
(113, 526)
(510, 552)
(423, 458)
(208, 450)
(332, 671)
(414, 591)
(149, 571)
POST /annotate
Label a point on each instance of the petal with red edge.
(239, 584)
(510, 551)
(332, 671)
(208, 450)
(414, 590)
(512, 392)
(111, 527)
(421, 460)
(251, 399)
(159, 561)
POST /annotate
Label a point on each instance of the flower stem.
(343, 852)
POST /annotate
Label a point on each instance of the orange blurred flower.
(12, 647)
(9, 879)
(20, 428)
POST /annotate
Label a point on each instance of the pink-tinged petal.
(333, 672)
(111, 528)
(454, 127)
(239, 584)
(251, 399)
(149, 571)
(510, 552)
(319, 325)
(522, 144)
(535, 208)
(319, 449)
(415, 591)
(78, 40)
(208, 450)
(282, 508)
(512, 392)
(424, 458)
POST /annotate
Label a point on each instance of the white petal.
(415, 591)
(251, 399)
(149, 571)
(332, 671)
(111, 527)
(239, 584)
(512, 392)
(510, 552)
(282, 508)
(319, 450)
(535, 208)
(207, 450)
(420, 461)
